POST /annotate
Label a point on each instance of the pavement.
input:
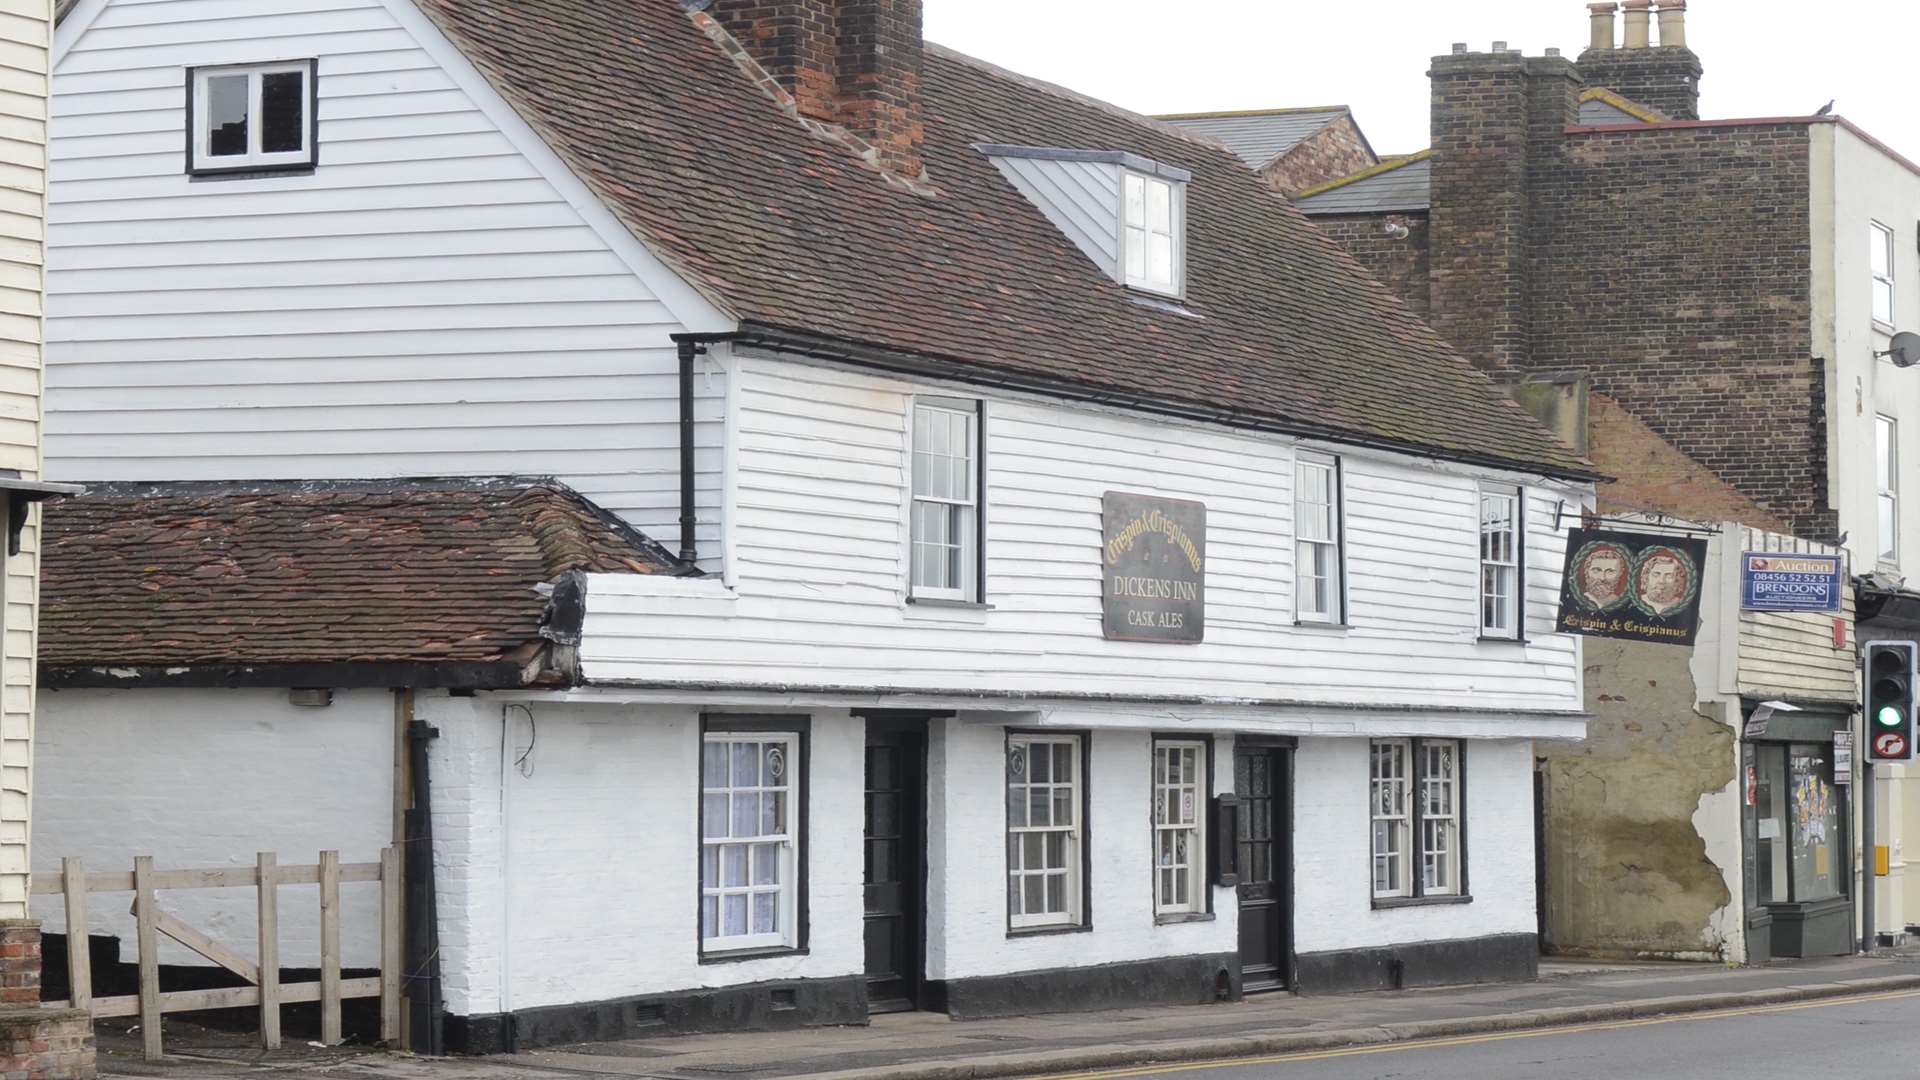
(926, 1046)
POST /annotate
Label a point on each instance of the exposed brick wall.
(1401, 265)
(1336, 150)
(1666, 78)
(794, 41)
(1673, 267)
(1650, 475)
(56, 1044)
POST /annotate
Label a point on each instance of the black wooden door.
(1265, 861)
(895, 865)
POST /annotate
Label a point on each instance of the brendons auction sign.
(1154, 562)
(1631, 585)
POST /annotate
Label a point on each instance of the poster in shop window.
(1635, 586)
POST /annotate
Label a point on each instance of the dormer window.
(1123, 211)
(1150, 233)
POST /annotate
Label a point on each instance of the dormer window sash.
(1150, 228)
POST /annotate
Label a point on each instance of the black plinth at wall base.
(754, 1007)
(1170, 980)
(1759, 935)
(1814, 928)
(1498, 958)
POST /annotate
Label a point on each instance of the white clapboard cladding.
(818, 595)
(441, 296)
(25, 29)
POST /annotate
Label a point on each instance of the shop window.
(749, 840)
(1179, 823)
(1419, 848)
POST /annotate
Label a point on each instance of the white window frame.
(966, 510)
(1880, 241)
(1418, 846)
(1019, 827)
(1334, 544)
(1502, 620)
(1136, 233)
(200, 155)
(1180, 776)
(1886, 476)
(786, 842)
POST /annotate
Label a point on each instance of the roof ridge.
(1228, 114)
(1108, 107)
(1386, 165)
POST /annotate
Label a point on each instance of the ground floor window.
(1179, 801)
(749, 839)
(1798, 814)
(1045, 832)
(1415, 794)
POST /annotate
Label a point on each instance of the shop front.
(1798, 851)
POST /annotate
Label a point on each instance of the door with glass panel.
(1265, 860)
(895, 843)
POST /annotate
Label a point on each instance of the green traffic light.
(1889, 716)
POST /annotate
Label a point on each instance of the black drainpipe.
(688, 350)
(425, 1009)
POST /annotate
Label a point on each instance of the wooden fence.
(266, 991)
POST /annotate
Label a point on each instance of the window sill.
(736, 955)
(251, 172)
(1883, 327)
(1047, 931)
(1315, 624)
(1381, 903)
(942, 602)
(1176, 918)
(1489, 639)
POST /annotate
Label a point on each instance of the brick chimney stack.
(855, 63)
(1664, 76)
(1498, 120)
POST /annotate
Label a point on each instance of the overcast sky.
(1762, 57)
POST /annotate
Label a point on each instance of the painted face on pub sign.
(1663, 581)
(1601, 577)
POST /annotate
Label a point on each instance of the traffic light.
(1891, 680)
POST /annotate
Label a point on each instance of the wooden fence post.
(330, 947)
(73, 883)
(149, 945)
(268, 868)
(390, 945)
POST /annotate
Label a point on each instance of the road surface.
(1860, 1038)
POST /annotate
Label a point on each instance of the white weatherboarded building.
(1109, 593)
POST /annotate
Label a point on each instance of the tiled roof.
(1260, 136)
(278, 574)
(1395, 184)
(791, 233)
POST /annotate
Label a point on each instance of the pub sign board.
(1789, 581)
(1632, 585)
(1153, 555)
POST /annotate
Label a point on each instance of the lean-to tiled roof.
(1259, 136)
(1401, 183)
(791, 233)
(287, 574)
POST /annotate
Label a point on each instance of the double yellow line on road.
(1470, 1040)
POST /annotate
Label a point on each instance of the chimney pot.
(1553, 52)
(1638, 23)
(1499, 46)
(1602, 18)
(1459, 48)
(1673, 24)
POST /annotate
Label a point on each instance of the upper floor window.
(1500, 562)
(1886, 482)
(251, 118)
(1316, 515)
(945, 525)
(1151, 233)
(1880, 239)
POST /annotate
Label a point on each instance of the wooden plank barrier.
(265, 990)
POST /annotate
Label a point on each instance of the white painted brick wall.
(967, 921)
(464, 767)
(202, 778)
(1333, 839)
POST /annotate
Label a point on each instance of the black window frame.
(1204, 867)
(801, 727)
(1416, 881)
(198, 171)
(1085, 735)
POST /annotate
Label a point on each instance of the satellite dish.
(1905, 349)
